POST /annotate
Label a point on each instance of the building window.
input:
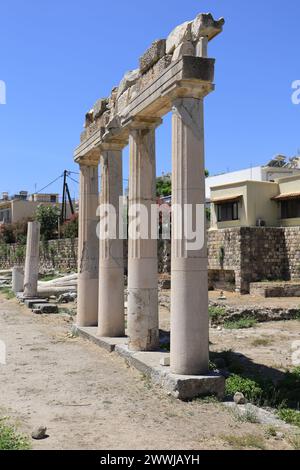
(290, 209)
(228, 211)
(53, 198)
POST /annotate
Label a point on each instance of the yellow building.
(256, 203)
(21, 207)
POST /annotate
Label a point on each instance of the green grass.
(243, 323)
(7, 292)
(248, 416)
(10, 439)
(271, 432)
(290, 416)
(248, 441)
(215, 313)
(261, 342)
(295, 441)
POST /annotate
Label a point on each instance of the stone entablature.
(170, 68)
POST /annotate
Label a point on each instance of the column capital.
(144, 122)
(191, 90)
(92, 159)
(114, 144)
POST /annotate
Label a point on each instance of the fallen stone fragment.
(47, 308)
(67, 297)
(165, 361)
(239, 398)
(39, 433)
(30, 303)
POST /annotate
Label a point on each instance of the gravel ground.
(89, 399)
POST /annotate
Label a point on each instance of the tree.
(48, 217)
(163, 186)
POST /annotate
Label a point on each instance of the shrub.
(10, 439)
(216, 312)
(14, 233)
(250, 388)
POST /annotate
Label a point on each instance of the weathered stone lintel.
(188, 76)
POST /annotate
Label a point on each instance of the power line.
(47, 186)
(77, 182)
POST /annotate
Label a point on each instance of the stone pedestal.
(32, 260)
(143, 329)
(189, 289)
(88, 247)
(17, 279)
(111, 320)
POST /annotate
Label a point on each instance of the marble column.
(111, 319)
(32, 260)
(17, 279)
(189, 284)
(143, 328)
(88, 246)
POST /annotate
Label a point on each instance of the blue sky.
(58, 57)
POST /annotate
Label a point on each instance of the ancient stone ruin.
(175, 75)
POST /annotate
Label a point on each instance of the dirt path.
(89, 399)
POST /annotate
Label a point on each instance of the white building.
(275, 169)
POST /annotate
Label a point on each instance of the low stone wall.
(256, 254)
(259, 313)
(275, 289)
(60, 255)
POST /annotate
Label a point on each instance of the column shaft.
(189, 284)
(32, 260)
(88, 247)
(111, 320)
(142, 251)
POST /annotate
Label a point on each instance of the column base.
(183, 387)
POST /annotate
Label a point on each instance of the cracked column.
(189, 290)
(111, 319)
(88, 246)
(143, 328)
(32, 260)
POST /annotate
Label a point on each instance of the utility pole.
(66, 196)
